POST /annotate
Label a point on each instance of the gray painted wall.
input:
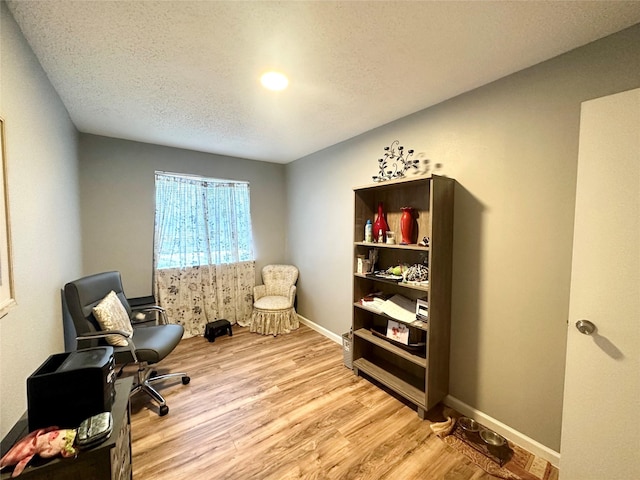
(41, 148)
(117, 204)
(512, 146)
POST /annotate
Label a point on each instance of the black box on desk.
(70, 387)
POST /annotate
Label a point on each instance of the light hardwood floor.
(260, 407)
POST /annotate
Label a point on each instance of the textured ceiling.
(186, 74)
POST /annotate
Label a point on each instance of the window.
(201, 221)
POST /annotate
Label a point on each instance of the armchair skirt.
(270, 319)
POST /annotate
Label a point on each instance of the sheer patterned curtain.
(203, 251)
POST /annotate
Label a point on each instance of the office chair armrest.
(104, 334)
(154, 308)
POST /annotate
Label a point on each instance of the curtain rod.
(198, 177)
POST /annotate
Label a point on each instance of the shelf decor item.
(416, 273)
(424, 242)
(380, 226)
(406, 225)
(391, 238)
(398, 331)
(368, 232)
(394, 163)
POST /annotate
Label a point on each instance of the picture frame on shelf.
(398, 332)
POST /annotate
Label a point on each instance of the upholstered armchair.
(273, 302)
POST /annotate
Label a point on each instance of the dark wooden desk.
(111, 460)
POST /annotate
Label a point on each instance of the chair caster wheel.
(186, 380)
(163, 410)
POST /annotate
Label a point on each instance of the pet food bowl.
(469, 425)
(492, 438)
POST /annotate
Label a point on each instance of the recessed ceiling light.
(274, 81)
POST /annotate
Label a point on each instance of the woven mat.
(510, 462)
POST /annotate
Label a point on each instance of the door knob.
(585, 327)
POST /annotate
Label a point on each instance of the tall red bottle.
(380, 225)
(406, 225)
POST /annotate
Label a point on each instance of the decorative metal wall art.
(395, 162)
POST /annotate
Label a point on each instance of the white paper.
(400, 308)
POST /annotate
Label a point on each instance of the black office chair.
(148, 344)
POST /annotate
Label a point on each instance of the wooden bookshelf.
(420, 376)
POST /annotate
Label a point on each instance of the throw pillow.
(112, 315)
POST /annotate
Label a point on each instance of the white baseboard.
(506, 431)
(327, 333)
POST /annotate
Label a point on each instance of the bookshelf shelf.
(394, 382)
(413, 286)
(387, 317)
(369, 337)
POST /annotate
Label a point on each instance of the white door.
(601, 413)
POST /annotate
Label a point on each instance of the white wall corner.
(323, 331)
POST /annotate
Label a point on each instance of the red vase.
(406, 225)
(380, 225)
